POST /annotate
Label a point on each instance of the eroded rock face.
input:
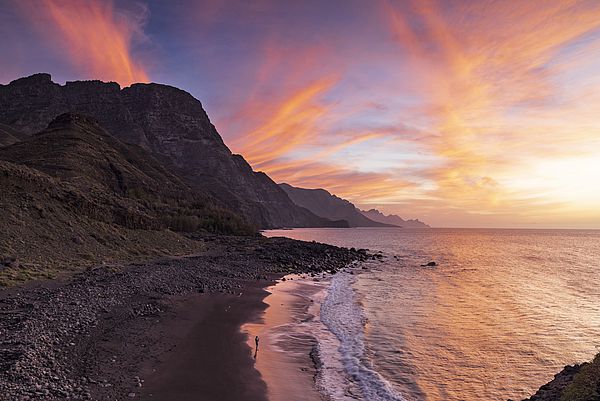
(168, 122)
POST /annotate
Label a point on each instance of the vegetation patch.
(585, 384)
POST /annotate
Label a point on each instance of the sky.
(460, 113)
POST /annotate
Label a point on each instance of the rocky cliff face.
(8, 135)
(73, 195)
(171, 125)
(327, 205)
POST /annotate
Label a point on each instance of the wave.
(345, 372)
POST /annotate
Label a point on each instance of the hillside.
(73, 195)
(168, 123)
(9, 135)
(327, 205)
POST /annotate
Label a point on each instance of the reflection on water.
(500, 315)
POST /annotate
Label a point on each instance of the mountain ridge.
(171, 125)
(376, 215)
(73, 196)
(325, 204)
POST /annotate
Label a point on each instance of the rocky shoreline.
(56, 335)
(552, 391)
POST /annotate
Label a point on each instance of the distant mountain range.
(376, 215)
(324, 204)
(329, 206)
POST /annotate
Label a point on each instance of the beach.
(160, 330)
(287, 354)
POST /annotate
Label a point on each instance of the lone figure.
(256, 339)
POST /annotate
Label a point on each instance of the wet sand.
(214, 355)
(211, 360)
(287, 348)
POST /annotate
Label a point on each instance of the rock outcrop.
(553, 390)
(170, 124)
(8, 135)
(324, 204)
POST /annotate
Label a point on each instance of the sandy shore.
(150, 330)
(210, 356)
(287, 347)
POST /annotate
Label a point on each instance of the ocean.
(502, 312)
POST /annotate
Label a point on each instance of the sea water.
(502, 312)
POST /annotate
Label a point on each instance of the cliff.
(168, 123)
(73, 195)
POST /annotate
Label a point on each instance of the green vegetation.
(585, 384)
(209, 219)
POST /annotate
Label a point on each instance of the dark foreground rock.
(552, 391)
(55, 336)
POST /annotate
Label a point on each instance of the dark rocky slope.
(580, 382)
(73, 195)
(324, 204)
(553, 390)
(9, 135)
(170, 124)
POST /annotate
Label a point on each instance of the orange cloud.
(292, 124)
(480, 82)
(96, 38)
(358, 187)
(500, 59)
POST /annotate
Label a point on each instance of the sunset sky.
(461, 113)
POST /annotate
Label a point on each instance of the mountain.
(73, 195)
(114, 182)
(168, 123)
(376, 215)
(8, 135)
(324, 204)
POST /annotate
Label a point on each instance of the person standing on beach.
(256, 349)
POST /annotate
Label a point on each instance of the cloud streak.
(483, 74)
(454, 111)
(96, 38)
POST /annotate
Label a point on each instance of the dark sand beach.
(162, 330)
(210, 357)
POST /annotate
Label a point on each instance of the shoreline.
(210, 356)
(287, 354)
(120, 333)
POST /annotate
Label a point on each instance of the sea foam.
(346, 373)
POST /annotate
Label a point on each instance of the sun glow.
(574, 181)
